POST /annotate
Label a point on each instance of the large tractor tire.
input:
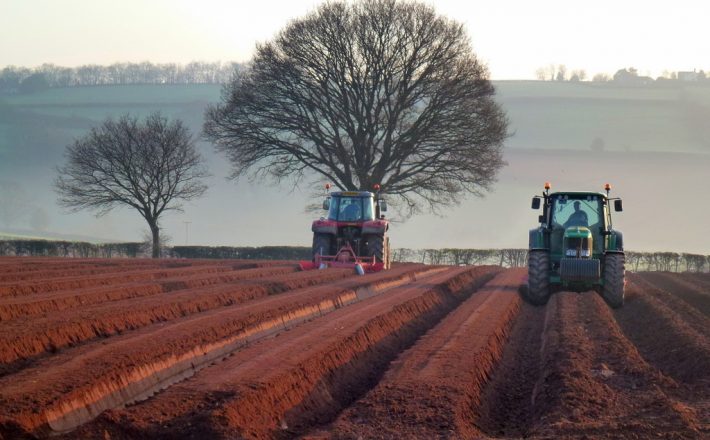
(538, 291)
(321, 245)
(379, 247)
(614, 273)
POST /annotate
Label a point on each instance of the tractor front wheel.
(378, 246)
(538, 291)
(321, 245)
(614, 273)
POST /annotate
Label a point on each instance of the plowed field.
(124, 349)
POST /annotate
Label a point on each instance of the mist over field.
(651, 142)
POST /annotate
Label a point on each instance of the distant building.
(631, 76)
(688, 76)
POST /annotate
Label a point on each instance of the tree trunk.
(155, 230)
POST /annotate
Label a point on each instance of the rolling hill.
(652, 142)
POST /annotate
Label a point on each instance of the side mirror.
(326, 204)
(383, 205)
(618, 206)
(536, 203)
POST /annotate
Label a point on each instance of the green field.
(547, 115)
(116, 95)
(570, 116)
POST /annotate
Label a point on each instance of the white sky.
(515, 37)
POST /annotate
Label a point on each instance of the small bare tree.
(363, 93)
(148, 165)
(541, 74)
(561, 73)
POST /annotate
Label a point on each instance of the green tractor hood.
(578, 232)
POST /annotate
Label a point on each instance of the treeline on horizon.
(15, 79)
(629, 75)
(515, 257)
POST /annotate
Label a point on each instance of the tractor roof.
(578, 193)
(352, 194)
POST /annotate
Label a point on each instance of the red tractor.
(353, 235)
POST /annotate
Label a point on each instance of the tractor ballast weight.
(353, 235)
(575, 247)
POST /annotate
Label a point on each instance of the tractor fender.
(616, 242)
(325, 227)
(537, 240)
(378, 227)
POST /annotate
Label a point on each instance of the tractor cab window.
(349, 209)
(570, 211)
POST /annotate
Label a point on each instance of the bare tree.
(578, 75)
(150, 166)
(375, 91)
(541, 74)
(552, 71)
(561, 73)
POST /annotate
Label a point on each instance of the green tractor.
(575, 247)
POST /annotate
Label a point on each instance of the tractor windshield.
(573, 210)
(350, 209)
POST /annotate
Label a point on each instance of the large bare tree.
(149, 165)
(375, 91)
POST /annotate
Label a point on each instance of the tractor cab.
(354, 206)
(577, 220)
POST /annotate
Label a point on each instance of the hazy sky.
(515, 37)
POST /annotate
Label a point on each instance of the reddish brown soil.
(53, 301)
(49, 269)
(283, 385)
(506, 404)
(234, 349)
(595, 383)
(30, 337)
(175, 347)
(430, 391)
(690, 290)
(170, 277)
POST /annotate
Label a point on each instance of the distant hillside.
(652, 141)
(20, 234)
(35, 128)
(549, 115)
(668, 117)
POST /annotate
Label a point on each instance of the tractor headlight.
(574, 253)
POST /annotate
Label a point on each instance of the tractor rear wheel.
(321, 245)
(538, 277)
(614, 273)
(378, 246)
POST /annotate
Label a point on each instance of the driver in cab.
(351, 212)
(577, 218)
